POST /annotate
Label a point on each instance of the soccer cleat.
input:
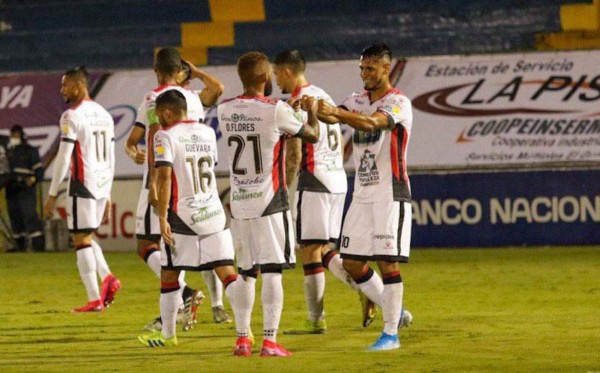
(272, 349)
(242, 347)
(190, 306)
(110, 286)
(220, 316)
(385, 342)
(406, 318)
(309, 327)
(368, 309)
(94, 306)
(156, 339)
(155, 325)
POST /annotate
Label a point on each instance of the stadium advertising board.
(506, 208)
(504, 109)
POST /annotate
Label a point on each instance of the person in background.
(21, 193)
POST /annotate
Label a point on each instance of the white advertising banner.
(512, 109)
(123, 92)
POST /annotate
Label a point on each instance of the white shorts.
(265, 243)
(147, 226)
(84, 215)
(377, 231)
(319, 218)
(198, 253)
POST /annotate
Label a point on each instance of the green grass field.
(509, 310)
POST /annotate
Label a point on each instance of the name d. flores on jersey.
(368, 174)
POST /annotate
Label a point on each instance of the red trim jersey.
(380, 156)
(91, 129)
(190, 149)
(254, 129)
(146, 114)
(322, 167)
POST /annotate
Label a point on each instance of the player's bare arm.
(293, 156)
(61, 166)
(361, 122)
(310, 130)
(164, 187)
(131, 149)
(153, 192)
(213, 86)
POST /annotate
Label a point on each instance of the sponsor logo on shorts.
(383, 236)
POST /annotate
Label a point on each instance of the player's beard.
(268, 88)
(374, 87)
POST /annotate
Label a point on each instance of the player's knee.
(146, 249)
(169, 276)
(355, 268)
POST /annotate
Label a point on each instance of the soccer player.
(320, 195)
(254, 128)
(215, 288)
(192, 218)
(378, 224)
(167, 66)
(87, 144)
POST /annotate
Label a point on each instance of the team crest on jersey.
(368, 174)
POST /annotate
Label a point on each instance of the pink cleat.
(93, 306)
(110, 286)
(242, 347)
(273, 349)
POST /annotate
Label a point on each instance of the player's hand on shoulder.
(295, 103)
(309, 104)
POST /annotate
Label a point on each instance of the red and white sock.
(241, 292)
(272, 303)
(371, 285)
(393, 290)
(169, 295)
(215, 288)
(101, 265)
(86, 263)
(333, 262)
(314, 290)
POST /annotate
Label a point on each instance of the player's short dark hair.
(167, 61)
(292, 59)
(251, 65)
(172, 100)
(79, 74)
(377, 50)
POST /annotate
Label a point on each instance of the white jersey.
(322, 168)
(190, 149)
(254, 129)
(146, 114)
(91, 129)
(380, 156)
